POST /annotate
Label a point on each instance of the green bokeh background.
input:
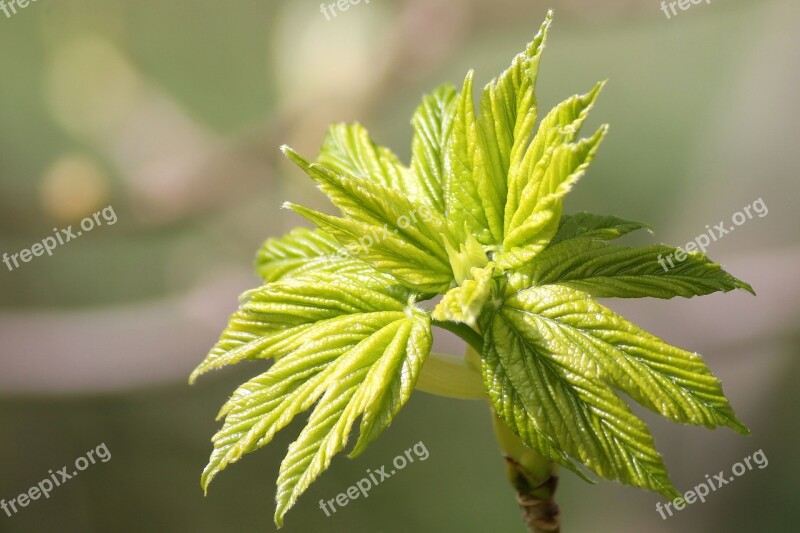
(173, 113)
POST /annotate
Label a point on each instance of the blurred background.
(173, 112)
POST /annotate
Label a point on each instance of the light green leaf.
(464, 303)
(670, 381)
(556, 353)
(559, 127)
(275, 319)
(304, 251)
(384, 228)
(504, 125)
(348, 149)
(603, 227)
(384, 251)
(535, 221)
(245, 337)
(349, 344)
(465, 172)
(470, 254)
(562, 409)
(373, 379)
(605, 271)
(432, 122)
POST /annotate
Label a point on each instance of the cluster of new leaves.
(476, 217)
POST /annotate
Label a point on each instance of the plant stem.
(466, 333)
(533, 476)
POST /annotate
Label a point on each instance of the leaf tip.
(201, 369)
(469, 78)
(278, 518)
(746, 286)
(590, 97)
(205, 480)
(670, 492)
(739, 427)
(537, 45)
(548, 20)
(295, 157)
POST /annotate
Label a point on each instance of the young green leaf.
(465, 174)
(273, 320)
(469, 254)
(350, 330)
(536, 219)
(432, 122)
(373, 379)
(384, 228)
(504, 125)
(605, 271)
(304, 251)
(559, 127)
(560, 353)
(558, 405)
(348, 149)
(464, 303)
(602, 227)
(570, 324)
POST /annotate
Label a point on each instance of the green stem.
(466, 333)
(534, 477)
